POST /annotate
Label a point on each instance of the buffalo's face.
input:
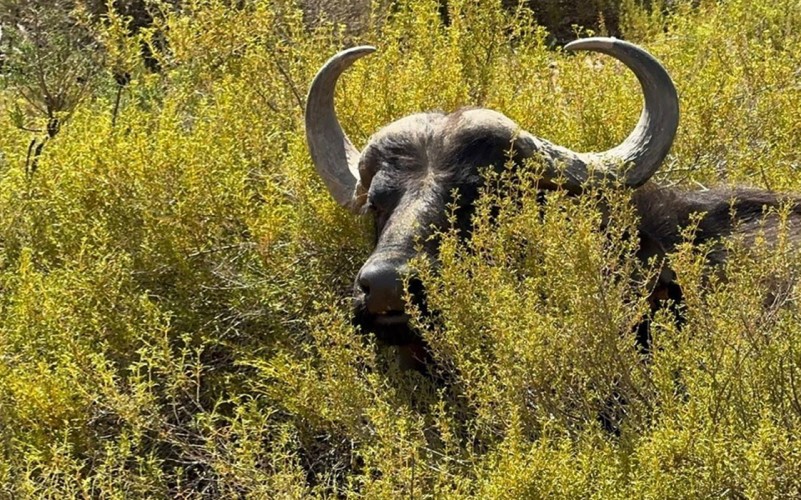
(409, 172)
(413, 179)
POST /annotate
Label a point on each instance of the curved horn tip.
(364, 48)
(361, 50)
(594, 43)
(338, 63)
(329, 72)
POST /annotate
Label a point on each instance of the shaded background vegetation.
(174, 279)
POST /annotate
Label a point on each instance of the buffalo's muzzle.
(382, 285)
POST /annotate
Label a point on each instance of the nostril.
(364, 284)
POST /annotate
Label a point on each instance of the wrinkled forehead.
(402, 143)
(431, 140)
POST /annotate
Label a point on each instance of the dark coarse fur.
(725, 211)
(414, 165)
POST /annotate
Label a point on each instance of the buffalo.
(406, 176)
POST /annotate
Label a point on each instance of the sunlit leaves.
(175, 280)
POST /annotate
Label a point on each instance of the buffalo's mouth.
(392, 327)
(395, 329)
(391, 319)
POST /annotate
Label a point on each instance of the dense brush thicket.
(175, 279)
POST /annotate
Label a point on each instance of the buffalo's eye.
(379, 210)
(381, 201)
(372, 208)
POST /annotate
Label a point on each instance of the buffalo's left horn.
(643, 151)
(335, 157)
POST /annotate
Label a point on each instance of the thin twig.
(288, 79)
(116, 106)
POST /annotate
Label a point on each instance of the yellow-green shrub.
(174, 281)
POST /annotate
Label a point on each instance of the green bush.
(175, 280)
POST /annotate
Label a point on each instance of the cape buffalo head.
(407, 173)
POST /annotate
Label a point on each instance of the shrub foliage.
(174, 278)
